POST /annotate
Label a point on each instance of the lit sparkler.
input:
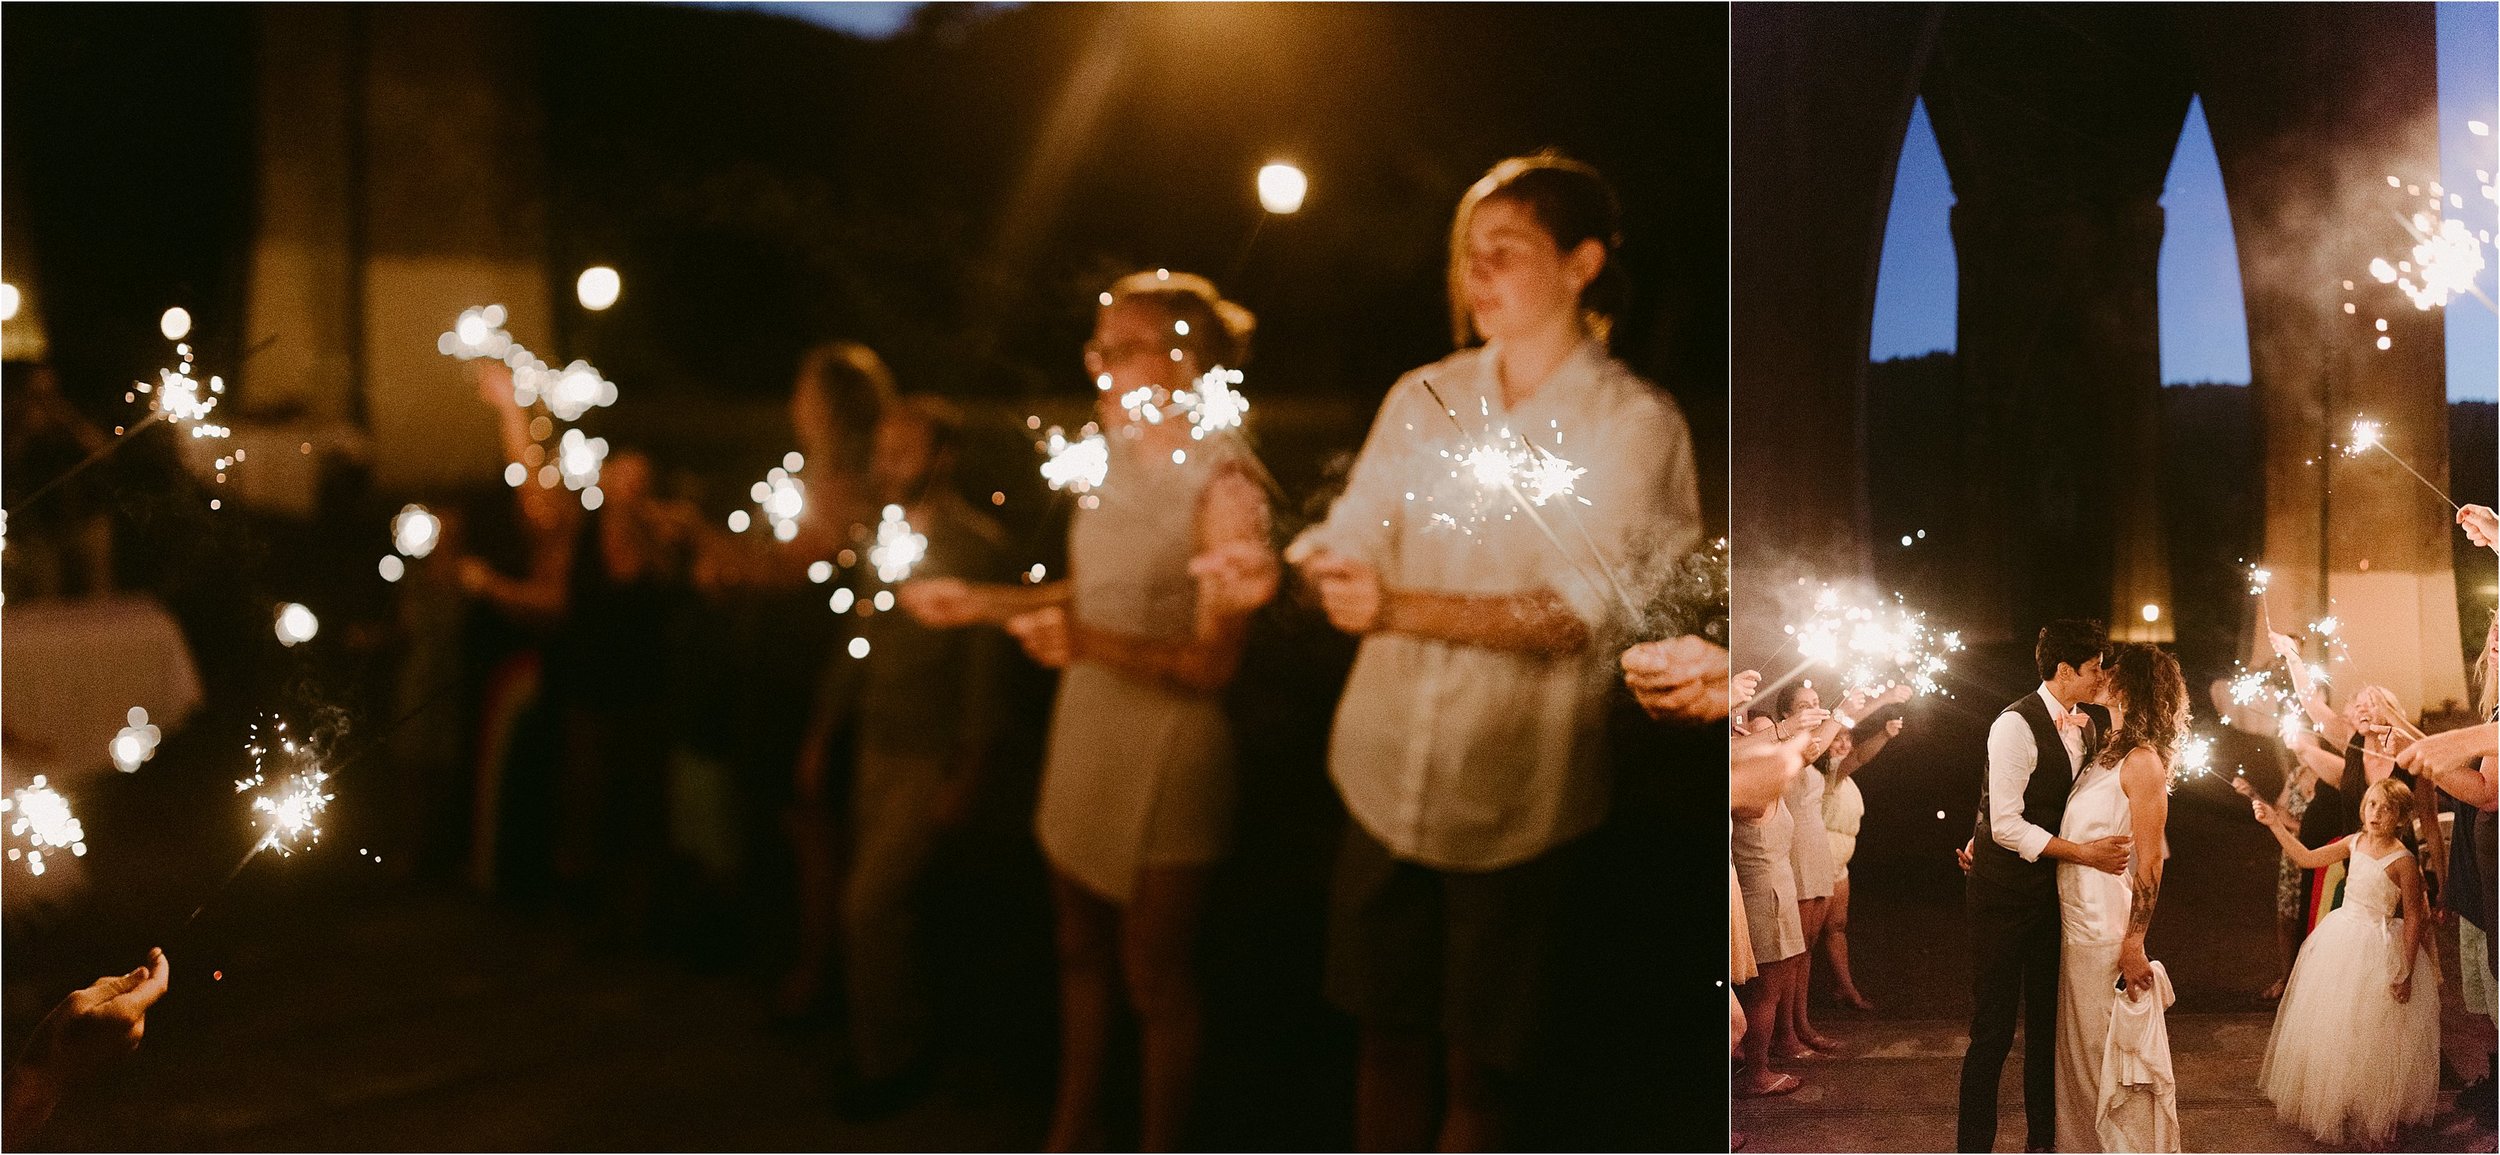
(1213, 405)
(2368, 435)
(1076, 466)
(414, 530)
(2195, 759)
(781, 498)
(1513, 466)
(1873, 646)
(290, 810)
(897, 548)
(136, 743)
(40, 816)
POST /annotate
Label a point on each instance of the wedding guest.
(1467, 746)
(1844, 808)
(1167, 560)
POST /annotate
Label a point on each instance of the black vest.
(1999, 876)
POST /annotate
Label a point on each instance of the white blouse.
(1466, 758)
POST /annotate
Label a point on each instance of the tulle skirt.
(2348, 1063)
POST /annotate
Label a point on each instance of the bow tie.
(2074, 719)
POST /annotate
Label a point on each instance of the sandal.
(1779, 1085)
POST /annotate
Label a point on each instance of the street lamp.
(598, 287)
(1282, 187)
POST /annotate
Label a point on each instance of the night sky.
(2204, 334)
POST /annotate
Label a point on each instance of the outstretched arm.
(2301, 856)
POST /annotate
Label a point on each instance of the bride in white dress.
(2116, 1094)
(2355, 1050)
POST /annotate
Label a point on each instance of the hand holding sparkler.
(1742, 688)
(1237, 577)
(84, 1033)
(940, 603)
(1045, 636)
(1682, 680)
(2481, 525)
(1350, 590)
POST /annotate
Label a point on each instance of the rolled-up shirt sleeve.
(2011, 756)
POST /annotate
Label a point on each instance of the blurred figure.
(87, 1032)
(1468, 746)
(1844, 808)
(61, 546)
(915, 714)
(1166, 563)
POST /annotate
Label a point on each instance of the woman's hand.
(1681, 680)
(1349, 590)
(85, 1033)
(940, 603)
(2284, 647)
(1237, 577)
(1740, 689)
(2402, 988)
(2481, 525)
(1044, 635)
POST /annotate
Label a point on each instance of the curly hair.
(2150, 688)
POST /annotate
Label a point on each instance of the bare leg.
(1158, 943)
(1836, 947)
(1797, 1033)
(1761, 1000)
(1088, 936)
(1393, 1091)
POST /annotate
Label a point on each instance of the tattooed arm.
(2147, 783)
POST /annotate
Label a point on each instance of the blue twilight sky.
(2204, 335)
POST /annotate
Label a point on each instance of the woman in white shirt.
(1468, 744)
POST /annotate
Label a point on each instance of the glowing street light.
(2152, 613)
(8, 301)
(1281, 188)
(598, 287)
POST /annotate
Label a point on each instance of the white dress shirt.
(2012, 754)
(1468, 758)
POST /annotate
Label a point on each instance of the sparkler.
(779, 496)
(39, 815)
(2368, 435)
(1871, 646)
(897, 548)
(2195, 759)
(1212, 404)
(291, 809)
(566, 394)
(1075, 466)
(136, 743)
(296, 624)
(1501, 464)
(2446, 258)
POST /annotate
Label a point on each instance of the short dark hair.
(2069, 642)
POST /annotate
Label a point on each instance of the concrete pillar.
(2304, 164)
(1812, 172)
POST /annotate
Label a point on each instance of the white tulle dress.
(2348, 1063)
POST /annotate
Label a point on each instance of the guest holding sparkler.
(915, 707)
(1166, 564)
(1844, 808)
(2481, 525)
(1798, 707)
(1467, 744)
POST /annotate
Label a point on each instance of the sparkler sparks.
(1874, 646)
(414, 530)
(1076, 466)
(565, 393)
(897, 548)
(2195, 759)
(289, 811)
(780, 497)
(296, 624)
(40, 816)
(136, 743)
(1213, 405)
(2368, 435)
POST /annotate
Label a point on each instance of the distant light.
(2152, 613)
(515, 473)
(1281, 188)
(1038, 573)
(1940, 816)
(1181, 327)
(739, 521)
(598, 287)
(1906, 540)
(8, 301)
(175, 324)
(793, 461)
(1104, 299)
(883, 601)
(296, 624)
(842, 600)
(820, 572)
(1180, 457)
(392, 568)
(859, 647)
